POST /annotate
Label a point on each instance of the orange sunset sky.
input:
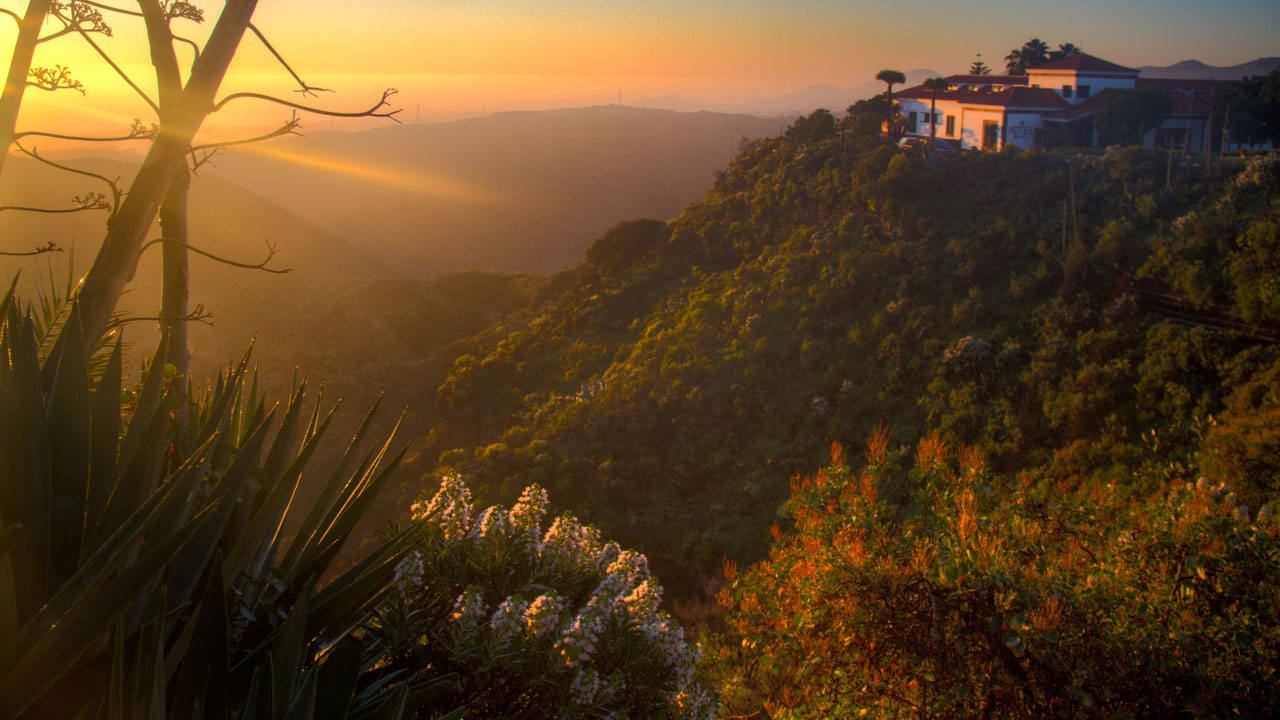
(450, 57)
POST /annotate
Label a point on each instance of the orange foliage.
(878, 445)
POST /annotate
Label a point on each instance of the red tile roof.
(1087, 107)
(1016, 97)
(1081, 62)
(987, 79)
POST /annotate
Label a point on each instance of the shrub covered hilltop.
(1062, 373)
(1093, 332)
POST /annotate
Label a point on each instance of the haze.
(451, 58)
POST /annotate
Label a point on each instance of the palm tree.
(1065, 50)
(889, 78)
(1032, 53)
(934, 85)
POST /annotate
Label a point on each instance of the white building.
(1051, 106)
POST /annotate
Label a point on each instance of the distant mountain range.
(790, 105)
(509, 191)
(1196, 70)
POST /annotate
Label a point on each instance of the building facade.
(1053, 106)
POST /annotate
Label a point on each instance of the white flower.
(543, 616)
(508, 620)
(469, 607)
(450, 509)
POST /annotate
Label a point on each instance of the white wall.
(1023, 129)
(970, 124)
(1056, 80)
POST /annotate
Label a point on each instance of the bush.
(553, 624)
(933, 590)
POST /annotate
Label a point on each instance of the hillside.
(698, 365)
(1196, 70)
(512, 191)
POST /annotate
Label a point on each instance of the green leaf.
(68, 428)
(338, 677)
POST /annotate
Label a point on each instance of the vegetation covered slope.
(828, 284)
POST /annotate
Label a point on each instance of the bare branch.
(198, 314)
(81, 203)
(46, 248)
(286, 129)
(305, 89)
(81, 17)
(116, 193)
(178, 9)
(194, 46)
(371, 112)
(52, 79)
(272, 251)
(137, 132)
(205, 159)
(110, 8)
(107, 58)
(16, 17)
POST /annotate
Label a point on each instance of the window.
(937, 118)
(951, 125)
(1036, 85)
(911, 122)
(1082, 92)
(1198, 95)
(1066, 91)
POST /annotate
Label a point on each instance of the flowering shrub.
(931, 591)
(552, 624)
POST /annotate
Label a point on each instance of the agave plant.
(141, 581)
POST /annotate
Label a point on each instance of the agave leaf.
(303, 706)
(331, 488)
(115, 692)
(97, 569)
(104, 439)
(347, 518)
(223, 394)
(202, 681)
(24, 472)
(148, 404)
(253, 549)
(191, 559)
(8, 296)
(55, 653)
(343, 603)
(288, 652)
(338, 677)
(68, 428)
(284, 439)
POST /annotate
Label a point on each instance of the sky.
(452, 57)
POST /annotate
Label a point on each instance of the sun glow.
(423, 181)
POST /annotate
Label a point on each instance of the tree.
(889, 78)
(15, 85)
(1065, 50)
(1127, 115)
(978, 67)
(161, 183)
(1032, 53)
(1254, 105)
(934, 85)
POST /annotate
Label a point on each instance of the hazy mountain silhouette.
(1196, 70)
(789, 105)
(511, 191)
(226, 220)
